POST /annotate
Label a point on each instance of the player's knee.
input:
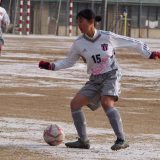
(78, 102)
(107, 101)
(72, 103)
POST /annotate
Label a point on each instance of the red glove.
(45, 65)
(155, 55)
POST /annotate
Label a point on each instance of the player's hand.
(155, 55)
(45, 65)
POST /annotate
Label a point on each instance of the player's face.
(85, 25)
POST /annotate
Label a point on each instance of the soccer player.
(97, 48)
(4, 23)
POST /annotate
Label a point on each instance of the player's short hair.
(88, 14)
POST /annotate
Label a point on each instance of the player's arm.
(119, 41)
(68, 62)
(5, 20)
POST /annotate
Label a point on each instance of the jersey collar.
(94, 38)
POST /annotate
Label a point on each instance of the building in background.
(52, 16)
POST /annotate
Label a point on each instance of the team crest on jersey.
(104, 46)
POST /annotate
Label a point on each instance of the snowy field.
(27, 133)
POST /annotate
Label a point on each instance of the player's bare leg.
(79, 122)
(115, 121)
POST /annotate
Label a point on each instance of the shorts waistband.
(103, 74)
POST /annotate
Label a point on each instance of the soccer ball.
(53, 135)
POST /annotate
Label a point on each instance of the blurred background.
(134, 18)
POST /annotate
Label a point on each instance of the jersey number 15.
(96, 58)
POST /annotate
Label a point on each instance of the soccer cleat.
(119, 144)
(78, 144)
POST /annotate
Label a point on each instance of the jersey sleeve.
(5, 20)
(70, 60)
(119, 41)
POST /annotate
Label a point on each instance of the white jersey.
(99, 51)
(4, 19)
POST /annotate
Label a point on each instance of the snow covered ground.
(28, 133)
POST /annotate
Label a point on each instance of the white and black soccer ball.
(54, 135)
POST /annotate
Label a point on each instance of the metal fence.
(52, 16)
